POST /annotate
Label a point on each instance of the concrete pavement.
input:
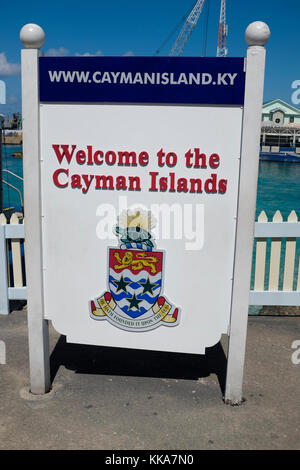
(105, 398)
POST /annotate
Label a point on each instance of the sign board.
(140, 179)
(173, 169)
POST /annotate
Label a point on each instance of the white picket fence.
(275, 279)
(276, 276)
(12, 282)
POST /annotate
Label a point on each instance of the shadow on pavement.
(85, 359)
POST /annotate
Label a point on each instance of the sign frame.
(32, 37)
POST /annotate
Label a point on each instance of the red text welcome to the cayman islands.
(163, 180)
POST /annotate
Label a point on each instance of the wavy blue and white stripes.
(135, 287)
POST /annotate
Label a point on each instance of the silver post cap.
(32, 36)
(257, 34)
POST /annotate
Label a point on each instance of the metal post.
(1, 184)
(257, 35)
(32, 37)
(4, 302)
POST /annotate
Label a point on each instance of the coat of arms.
(134, 300)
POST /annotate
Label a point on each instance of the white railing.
(12, 186)
(276, 278)
(11, 274)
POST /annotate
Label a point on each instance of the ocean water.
(11, 197)
(278, 188)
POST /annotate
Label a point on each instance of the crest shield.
(135, 279)
(134, 301)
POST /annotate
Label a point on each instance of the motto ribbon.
(163, 311)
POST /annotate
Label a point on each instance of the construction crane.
(190, 24)
(223, 31)
(187, 28)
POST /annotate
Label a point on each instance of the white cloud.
(88, 54)
(129, 54)
(6, 68)
(59, 52)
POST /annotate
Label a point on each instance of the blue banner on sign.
(185, 80)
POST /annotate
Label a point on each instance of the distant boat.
(282, 156)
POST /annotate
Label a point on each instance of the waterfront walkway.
(105, 398)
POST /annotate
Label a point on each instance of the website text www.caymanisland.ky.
(142, 78)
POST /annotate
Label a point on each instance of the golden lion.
(137, 264)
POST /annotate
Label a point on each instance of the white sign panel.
(181, 169)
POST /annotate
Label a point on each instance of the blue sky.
(139, 28)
